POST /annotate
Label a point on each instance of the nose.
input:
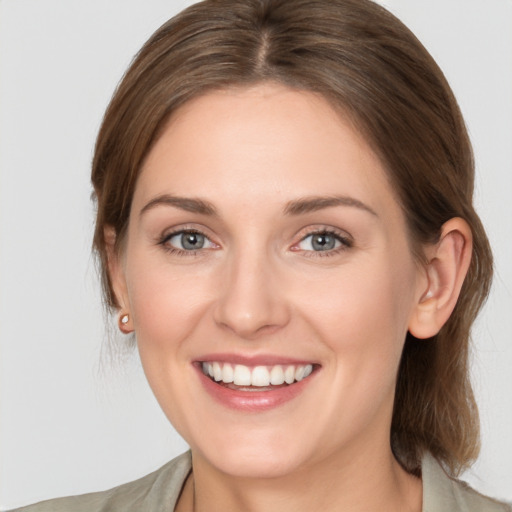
(251, 301)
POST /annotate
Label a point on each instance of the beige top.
(159, 491)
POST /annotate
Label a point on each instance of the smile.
(255, 387)
(257, 377)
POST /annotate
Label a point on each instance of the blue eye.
(188, 241)
(322, 241)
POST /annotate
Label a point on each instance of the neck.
(370, 481)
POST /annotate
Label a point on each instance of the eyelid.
(342, 236)
(189, 232)
(169, 233)
(184, 228)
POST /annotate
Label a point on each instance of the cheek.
(167, 305)
(166, 302)
(363, 300)
(362, 315)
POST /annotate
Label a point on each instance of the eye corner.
(184, 247)
(330, 242)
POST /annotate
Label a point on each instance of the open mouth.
(258, 378)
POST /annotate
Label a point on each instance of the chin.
(257, 459)
(256, 465)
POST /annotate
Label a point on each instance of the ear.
(448, 263)
(116, 273)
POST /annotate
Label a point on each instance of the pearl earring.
(123, 322)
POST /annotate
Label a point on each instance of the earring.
(123, 322)
(427, 295)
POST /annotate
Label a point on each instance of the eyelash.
(345, 243)
(176, 251)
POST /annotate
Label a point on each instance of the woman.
(285, 222)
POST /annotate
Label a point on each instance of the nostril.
(249, 304)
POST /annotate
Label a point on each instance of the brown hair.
(366, 62)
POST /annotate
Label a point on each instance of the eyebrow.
(188, 204)
(315, 203)
(295, 207)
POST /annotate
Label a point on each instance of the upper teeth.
(261, 376)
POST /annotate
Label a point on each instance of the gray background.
(73, 420)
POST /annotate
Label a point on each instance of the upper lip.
(253, 360)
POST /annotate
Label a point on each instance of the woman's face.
(265, 243)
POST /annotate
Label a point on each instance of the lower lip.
(252, 401)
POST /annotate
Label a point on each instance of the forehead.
(265, 144)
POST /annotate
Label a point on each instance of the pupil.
(323, 242)
(192, 240)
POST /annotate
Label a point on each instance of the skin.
(258, 287)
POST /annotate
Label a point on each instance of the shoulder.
(157, 491)
(444, 494)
